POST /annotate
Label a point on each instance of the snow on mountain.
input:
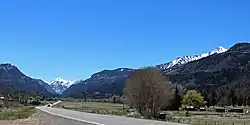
(59, 85)
(186, 59)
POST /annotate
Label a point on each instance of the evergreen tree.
(232, 97)
(245, 101)
(206, 98)
(248, 101)
(240, 101)
(213, 96)
(177, 99)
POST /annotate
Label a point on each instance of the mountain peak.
(61, 81)
(59, 85)
(7, 66)
(218, 49)
(58, 79)
(241, 47)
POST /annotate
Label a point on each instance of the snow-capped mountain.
(59, 85)
(186, 59)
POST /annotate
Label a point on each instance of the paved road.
(96, 119)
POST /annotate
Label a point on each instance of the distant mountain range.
(109, 82)
(105, 82)
(220, 73)
(12, 78)
(218, 69)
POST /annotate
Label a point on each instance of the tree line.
(150, 92)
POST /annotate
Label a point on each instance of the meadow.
(194, 118)
(96, 107)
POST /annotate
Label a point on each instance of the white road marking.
(76, 119)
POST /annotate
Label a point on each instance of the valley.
(106, 82)
(220, 76)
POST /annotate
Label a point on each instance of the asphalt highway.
(97, 119)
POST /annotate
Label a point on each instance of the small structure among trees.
(236, 110)
(220, 109)
(2, 97)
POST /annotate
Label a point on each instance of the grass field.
(210, 118)
(212, 121)
(196, 118)
(13, 114)
(96, 107)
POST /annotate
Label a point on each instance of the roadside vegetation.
(20, 105)
(13, 110)
(96, 107)
(149, 94)
(17, 113)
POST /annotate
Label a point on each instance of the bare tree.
(148, 91)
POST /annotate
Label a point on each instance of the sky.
(73, 39)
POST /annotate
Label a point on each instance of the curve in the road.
(97, 119)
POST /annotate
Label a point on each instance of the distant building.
(2, 97)
(236, 110)
(220, 109)
(202, 109)
(189, 108)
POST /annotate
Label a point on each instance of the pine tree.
(233, 97)
(240, 101)
(248, 101)
(206, 98)
(245, 101)
(177, 99)
(213, 95)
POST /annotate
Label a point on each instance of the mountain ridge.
(11, 76)
(103, 80)
(112, 81)
(186, 59)
(118, 85)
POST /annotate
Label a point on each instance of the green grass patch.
(13, 114)
(96, 107)
(210, 118)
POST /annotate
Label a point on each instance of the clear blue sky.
(73, 39)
